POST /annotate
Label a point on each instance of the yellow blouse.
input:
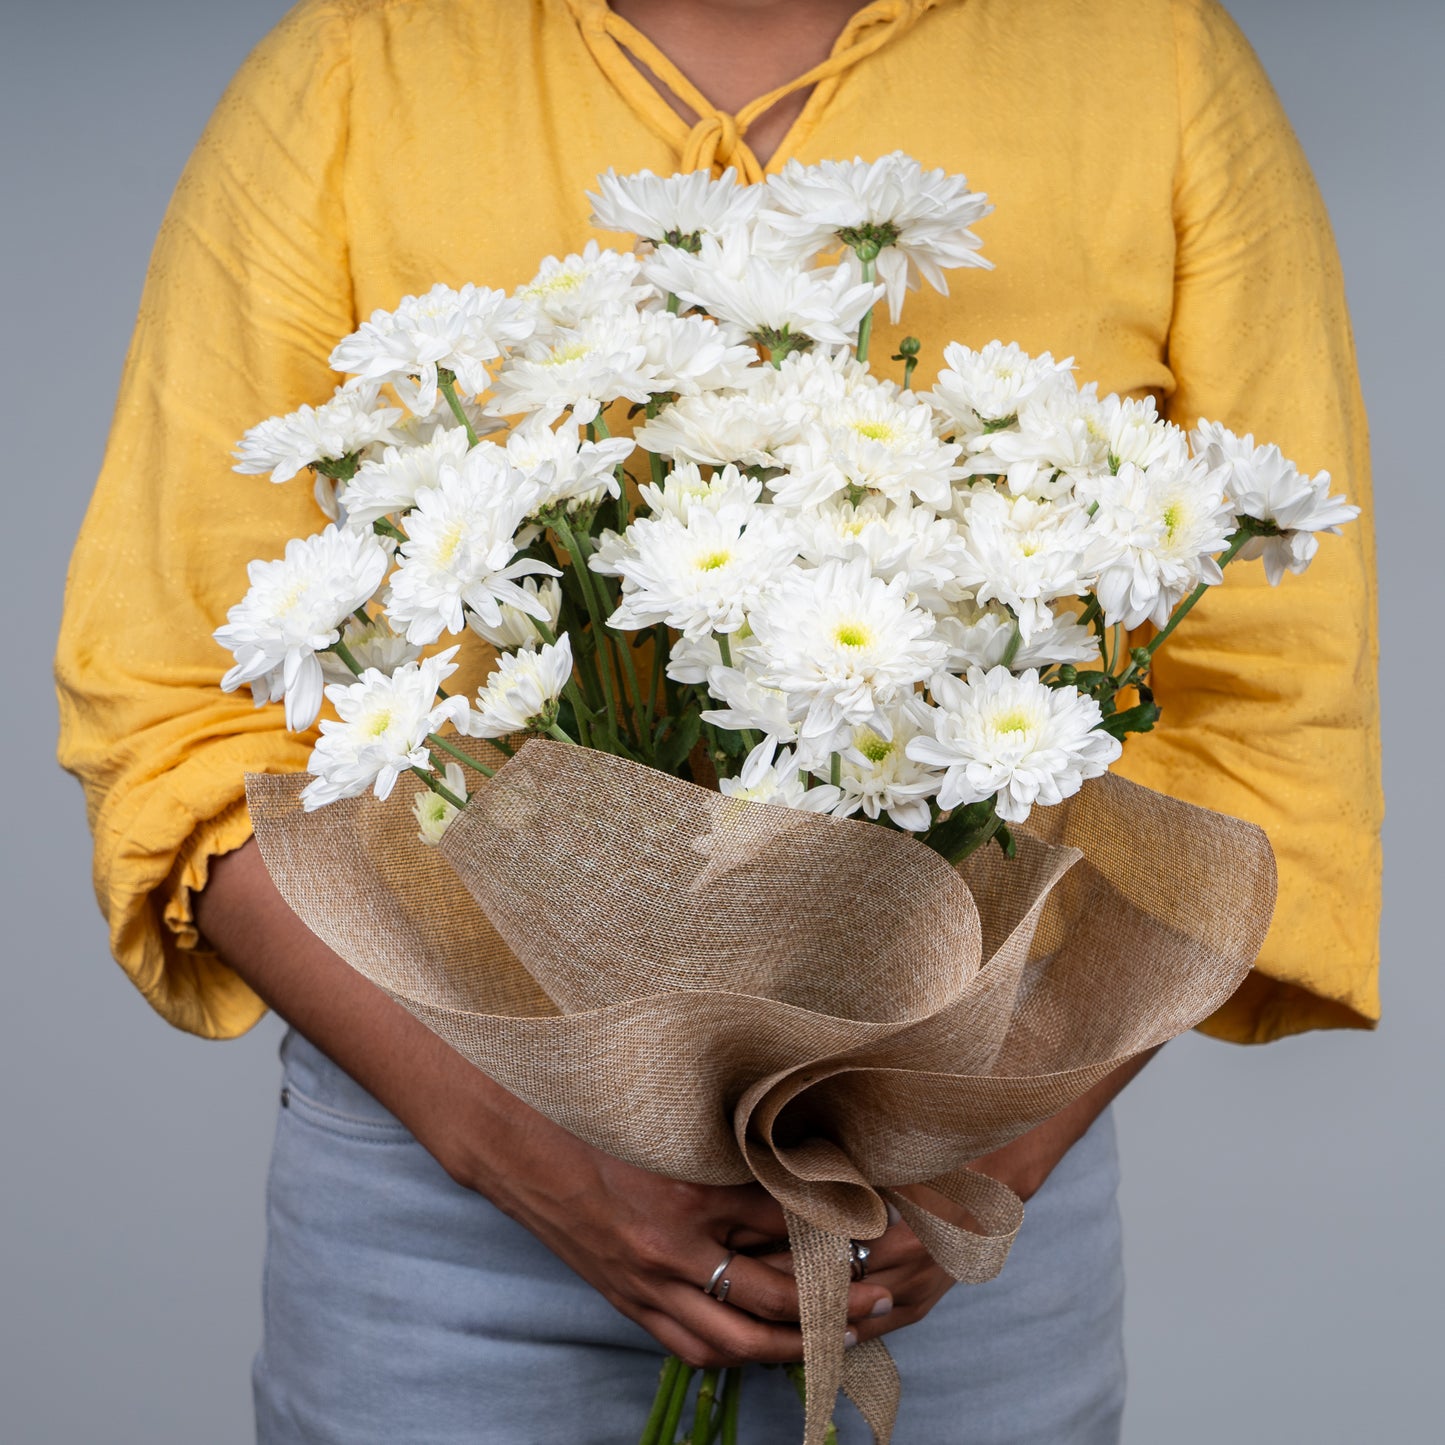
(1155, 219)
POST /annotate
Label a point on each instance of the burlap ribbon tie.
(725, 991)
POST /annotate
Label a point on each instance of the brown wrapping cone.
(724, 991)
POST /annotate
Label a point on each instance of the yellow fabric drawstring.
(716, 141)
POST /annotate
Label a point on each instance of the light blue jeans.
(402, 1309)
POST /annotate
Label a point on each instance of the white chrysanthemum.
(388, 485)
(459, 330)
(869, 441)
(372, 645)
(1012, 738)
(1059, 438)
(685, 487)
(568, 292)
(460, 549)
(380, 730)
(1136, 433)
(716, 428)
(563, 469)
(876, 775)
(1024, 553)
(896, 540)
(296, 607)
(675, 210)
(769, 776)
(914, 221)
(691, 660)
(982, 637)
(582, 368)
(748, 704)
(978, 387)
(824, 376)
(1261, 483)
(516, 629)
(773, 301)
(341, 427)
(691, 354)
(701, 575)
(432, 811)
(522, 693)
(1154, 535)
(842, 644)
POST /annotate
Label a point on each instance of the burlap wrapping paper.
(724, 991)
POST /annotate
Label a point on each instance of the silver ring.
(723, 1286)
(858, 1256)
(716, 1279)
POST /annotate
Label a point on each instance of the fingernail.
(894, 1217)
(850, 1338)
(883, 1307)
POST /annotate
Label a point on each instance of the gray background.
(1283, 1205)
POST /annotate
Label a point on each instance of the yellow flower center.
(563, 281)
(448, 542)
(874, 748)
(875, 431)
(711, 561)
(852, 634)
(1016, 721)
(561, 355)
(1173, 516)
(377, 723)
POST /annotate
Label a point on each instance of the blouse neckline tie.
(717, 139)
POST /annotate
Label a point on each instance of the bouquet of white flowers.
(817, 588)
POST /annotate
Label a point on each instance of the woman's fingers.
(733, 1334)
(760, 1289)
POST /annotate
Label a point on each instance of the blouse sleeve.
(1269, 694)
(248, 290)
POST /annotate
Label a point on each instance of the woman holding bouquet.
(444, 1264)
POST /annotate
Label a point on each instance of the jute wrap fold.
(724, 991)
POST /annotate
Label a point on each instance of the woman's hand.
(647, 1243)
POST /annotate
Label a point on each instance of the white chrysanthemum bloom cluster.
(294, 610)
(913, 223)
(350, 423)
(380, 730)
(1267, 487)
(836, 592)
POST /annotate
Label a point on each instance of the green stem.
(660, 644)
(865, 326)
(702, 1413)
(562, 736)
(440, 788)
(465, 759)
(449, 390)
(363, 617)
(345, 654)
(385, 527)
(1012, 650)
(568, 538)
(673, 1417)
(732, 1391)
(835, 770)
(652, 1431)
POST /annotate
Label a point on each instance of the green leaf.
(681, 737)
